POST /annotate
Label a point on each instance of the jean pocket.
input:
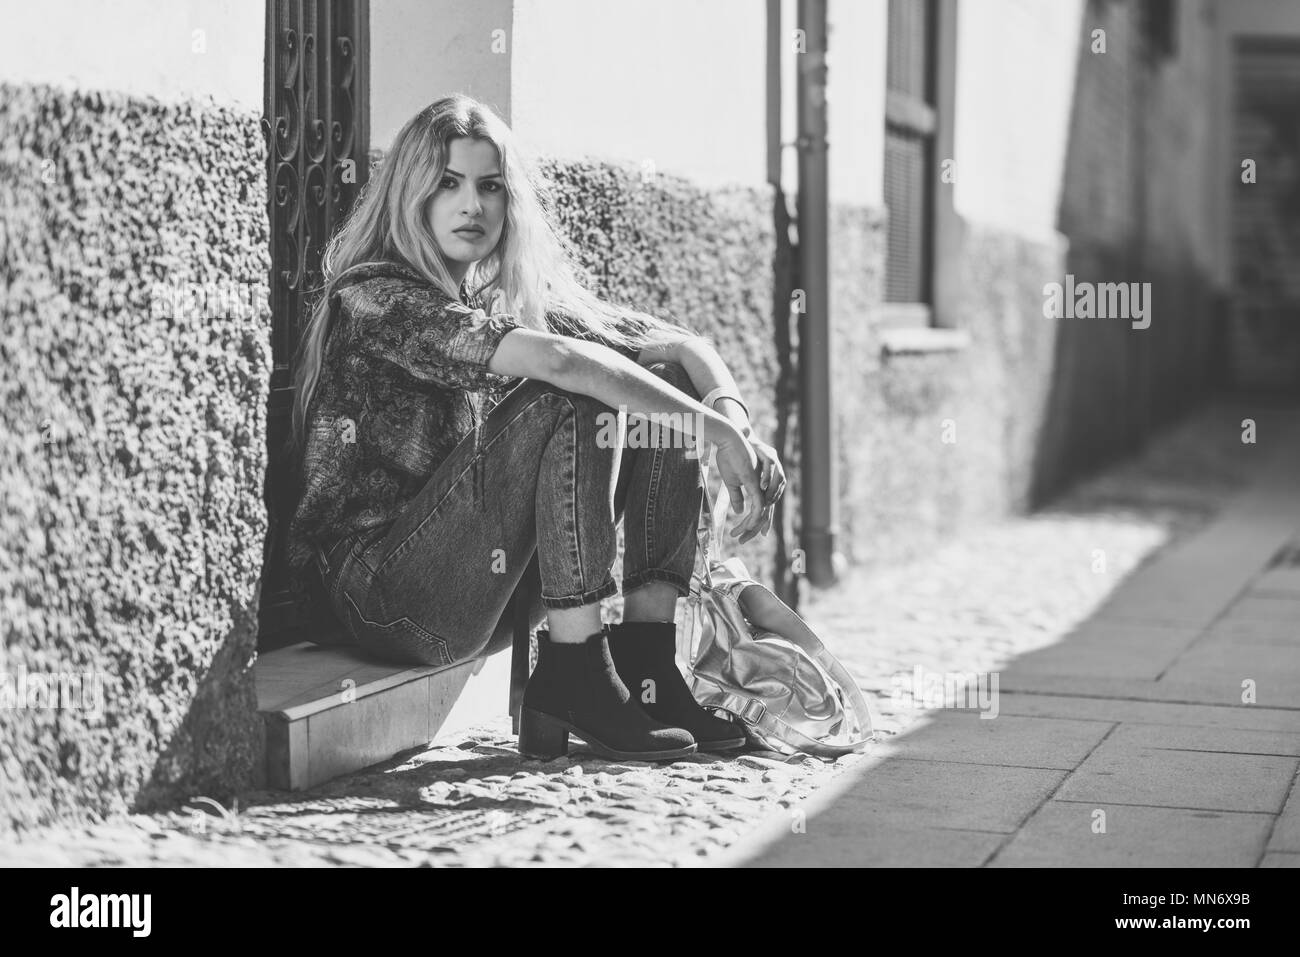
(366, 543)
(401, 641)
(327, 557)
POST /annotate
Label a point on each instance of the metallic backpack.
(753, 657)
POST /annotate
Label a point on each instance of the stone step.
(329, 712)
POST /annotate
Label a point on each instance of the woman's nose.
(473, 206)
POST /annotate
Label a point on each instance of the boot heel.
(541, 736)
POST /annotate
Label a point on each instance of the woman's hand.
(772, 479)
(752, 474)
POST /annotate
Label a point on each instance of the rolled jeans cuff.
(647, 575)
(603, 590)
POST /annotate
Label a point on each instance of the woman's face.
(471, 194)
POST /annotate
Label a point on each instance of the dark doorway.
(1265, 331)
(316, 123)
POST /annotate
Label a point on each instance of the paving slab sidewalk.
(1164, 730)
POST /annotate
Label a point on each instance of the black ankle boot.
(643, 651)
(575, 688)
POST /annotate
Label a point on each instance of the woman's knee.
(593, 416)
(676, 375)
(680, 454)
(584, 407)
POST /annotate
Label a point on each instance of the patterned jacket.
(404, 378)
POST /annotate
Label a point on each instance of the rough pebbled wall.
(902, 488)
(134, 446)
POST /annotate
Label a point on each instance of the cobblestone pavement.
(993, 593)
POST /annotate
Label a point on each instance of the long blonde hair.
(532, 266)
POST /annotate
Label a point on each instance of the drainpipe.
(785, 580)
(818, 498)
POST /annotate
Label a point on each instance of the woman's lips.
(475, 231)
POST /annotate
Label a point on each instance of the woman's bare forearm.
(708, 371)
(595, 370)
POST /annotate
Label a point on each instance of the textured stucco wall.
(902, 487)
(133, 452)
(1034, 403)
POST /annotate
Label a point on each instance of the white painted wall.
(141, 47)
(676, 83)
(423, 49)
(855, 100)
(1016, 65)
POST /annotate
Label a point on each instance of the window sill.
(924, 341)
(905, 315)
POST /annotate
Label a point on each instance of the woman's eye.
(492, 187)
(447, 183)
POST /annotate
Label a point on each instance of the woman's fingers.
(764, 526)
(747, 526)
(757, 494)
(772, 476)
(735, 508)
(735, 498)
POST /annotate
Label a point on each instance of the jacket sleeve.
(423, 331)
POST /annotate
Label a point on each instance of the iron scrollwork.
(317, 144)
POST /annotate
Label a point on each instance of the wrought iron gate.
(316, 127)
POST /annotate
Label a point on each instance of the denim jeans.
(432, 586)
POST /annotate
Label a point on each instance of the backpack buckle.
(752, 711)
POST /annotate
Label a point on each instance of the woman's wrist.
(720, 430)
(715, 384)
(729, 404)
(735, 413)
